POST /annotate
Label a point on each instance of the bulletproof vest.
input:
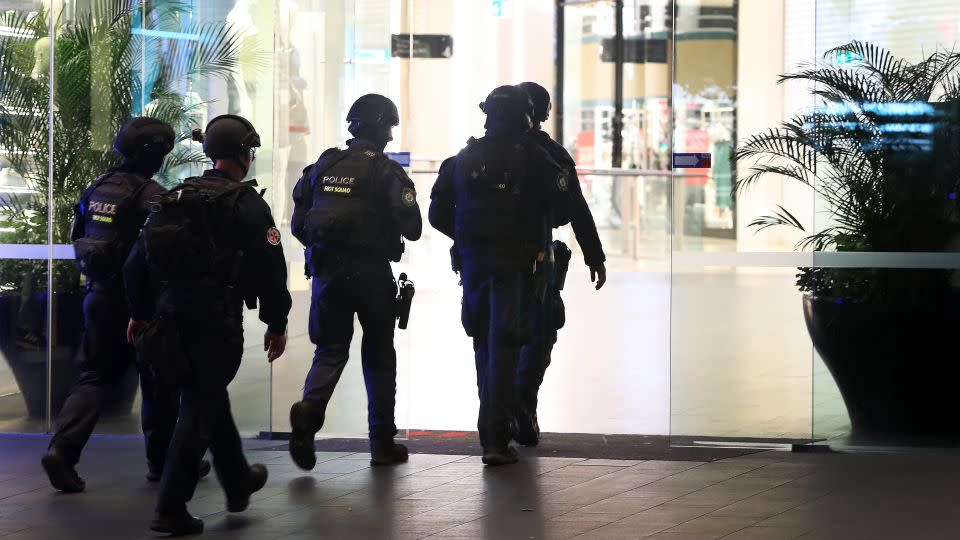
(499, 205)
(348, 213)
(106, 222)
(190, 233)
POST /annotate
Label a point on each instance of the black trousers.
(535, 354)
(496, 313)
(103, 359)
(367, 290)
(205, 417)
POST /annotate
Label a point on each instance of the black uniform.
(209, 316)
(105, 356)
(498, 199)
(351, 209)
(535, 355)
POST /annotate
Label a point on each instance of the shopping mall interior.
(707, 356)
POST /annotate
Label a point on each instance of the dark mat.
(575, 445)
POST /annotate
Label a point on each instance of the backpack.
(348, 213)
(105, 224)
(188, 233)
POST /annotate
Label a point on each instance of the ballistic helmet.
(144, 138)
(374, 110)
(508, 103)
(540, 99)
(228, 136)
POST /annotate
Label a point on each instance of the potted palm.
(106, 68)
(881, 156)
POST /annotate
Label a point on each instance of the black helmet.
(227, 136)
(540, 99)
(507, 103)
(374, 109)
(144, 138)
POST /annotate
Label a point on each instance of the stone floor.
(769, 495)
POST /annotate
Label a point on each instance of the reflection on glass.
(704, 93)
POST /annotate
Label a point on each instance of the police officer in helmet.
(498, 199)
(199, 273)
(107, 220)
(535, 355)
(351, 209)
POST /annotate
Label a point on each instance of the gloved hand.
(598, 274)
(274, 344)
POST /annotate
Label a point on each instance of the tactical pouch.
(559, 311)
(96, 259)
(456, 263)
(160, 350)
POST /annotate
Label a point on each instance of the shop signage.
(691, 161)
(423, 46)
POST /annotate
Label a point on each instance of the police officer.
(351, 209)
(107, 220)
(535, 355)
(498, 199)
(206, 310)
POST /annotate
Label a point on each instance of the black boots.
(186, 524)
(306, 419)
(155, 474)
(61, 473)
(257, 479)
(383, 451)
(500, 456)
(528, 429)
(178, 526)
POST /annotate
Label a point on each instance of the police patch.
(562, 182)
(409, 197)
(273, 236)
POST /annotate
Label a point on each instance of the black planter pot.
(23, 343)
(897, 368)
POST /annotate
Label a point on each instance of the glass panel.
(884, 288)
(317, 81)
(740, 356)
(245, 88)
(24, 189)
(97, 65)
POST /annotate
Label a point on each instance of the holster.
(160, 351)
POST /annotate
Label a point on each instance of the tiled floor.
(763, 496)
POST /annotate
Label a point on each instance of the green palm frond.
(105, 71)
(881, 192)
(779, 217)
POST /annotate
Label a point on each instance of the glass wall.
(702, 329)
(885, 284)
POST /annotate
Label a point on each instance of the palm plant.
(111, 61)
(880, 153)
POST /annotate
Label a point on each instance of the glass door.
(740, 355)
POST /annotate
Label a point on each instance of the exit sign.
(500, 8)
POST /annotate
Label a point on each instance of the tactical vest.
(499, 206)
(349, 213)
(106, 222)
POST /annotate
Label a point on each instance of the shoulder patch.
(562, 181)
(409, 196)
(273, 236)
